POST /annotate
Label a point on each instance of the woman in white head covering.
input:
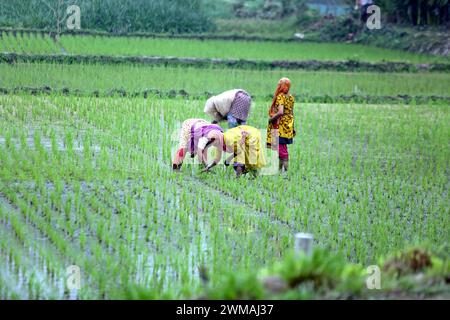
(232, 106)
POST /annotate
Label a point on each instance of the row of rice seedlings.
(196, 81)
(27, 43)
(47, 228)
(120, 46)
(45, 265)
(235, 225)
(125, 230)
(9, 283)
(11, 262)
(30, 265)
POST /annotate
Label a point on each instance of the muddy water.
(32, 278)
(56, 288)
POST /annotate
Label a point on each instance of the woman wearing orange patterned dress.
(280, 131)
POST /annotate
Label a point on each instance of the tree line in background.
(416, 12)
(268, 9)
(171, 16)
(196, 16)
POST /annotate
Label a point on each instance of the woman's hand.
(274, 119)
(278, 115)
(209, 167)
(228, 160)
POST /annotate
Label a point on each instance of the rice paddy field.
(87, 180)
(197, 81)
(129, 46)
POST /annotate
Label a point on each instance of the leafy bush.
(237, 286)
(429, 12)
(275, 9)
(325, 275)
(320, 272)
(295, 277)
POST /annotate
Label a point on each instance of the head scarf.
(283, 87)
(202, 131)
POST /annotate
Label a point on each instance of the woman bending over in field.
(232, 106)
(280, 131)
(197, 135)
(244, 142)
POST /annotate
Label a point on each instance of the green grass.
(88, 181)
(235, 49)
(198, 81)
(272, 29)
(28, 43)
(124, 46)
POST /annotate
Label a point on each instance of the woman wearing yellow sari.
(245, 144)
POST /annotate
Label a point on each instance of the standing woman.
(196, 136)
(232, 106)
(280, 131)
